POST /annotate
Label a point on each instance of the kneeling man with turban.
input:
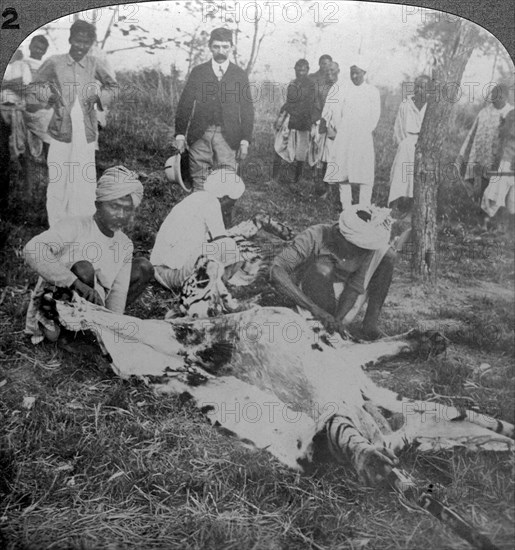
(90, 255)
(353, 253)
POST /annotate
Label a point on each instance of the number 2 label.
(11, 16)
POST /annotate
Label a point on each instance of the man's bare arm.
(346, 303)
(285, 284)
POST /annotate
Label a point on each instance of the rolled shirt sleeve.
(304, 247)
(43, 254)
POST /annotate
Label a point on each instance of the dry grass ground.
(88, 461)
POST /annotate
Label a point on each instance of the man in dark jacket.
(322, 82)
(215, 115)
(293, 124)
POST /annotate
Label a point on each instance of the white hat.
(224, 182)
(173, 170)
(361, 62)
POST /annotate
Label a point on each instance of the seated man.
(355, 252)
(90, 255)
(196, 227)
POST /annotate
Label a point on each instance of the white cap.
(224, 182)
(361, 62)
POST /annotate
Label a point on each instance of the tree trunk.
(428, 170)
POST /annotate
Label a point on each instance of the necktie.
(221, 73)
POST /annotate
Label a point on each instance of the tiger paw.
(375, 464)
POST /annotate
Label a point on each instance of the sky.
(382, 32)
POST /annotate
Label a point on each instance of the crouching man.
(90, 255)
(196, 227)
(353, 252)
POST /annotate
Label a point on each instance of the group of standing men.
(328, 123)
(22, 132)
(58, 105)
(86, 251)
(214, 119)
(85, 248)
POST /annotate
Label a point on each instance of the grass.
(99, 463)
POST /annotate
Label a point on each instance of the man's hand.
(180, 143)
(54, 99)
(242, 152)
(278, 123)
(328, 321)
(88, 293)
(91, 101)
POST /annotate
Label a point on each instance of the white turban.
(361, 62)
(117, 182)
(371, 235)
(224, 182)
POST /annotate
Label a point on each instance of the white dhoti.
(291, 145)
(319, 146)
(500, 192)
(401, 175)
(71, 173)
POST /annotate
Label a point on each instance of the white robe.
(71, 173)
(406, 129)
(353, 111)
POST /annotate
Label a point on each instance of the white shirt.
(353, 111)
(191, 224)
(52, 253)
(15, 70)
(33, 64)
(216, 67)
(409, 119)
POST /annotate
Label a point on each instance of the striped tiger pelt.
(204, 293)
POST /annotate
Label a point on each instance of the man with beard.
(215, 115)
(293, 124)
(90, 255)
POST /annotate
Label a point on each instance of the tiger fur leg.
(428, 425)
(426, 419)
(366, 438)
(373, 462)
(204, 293)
